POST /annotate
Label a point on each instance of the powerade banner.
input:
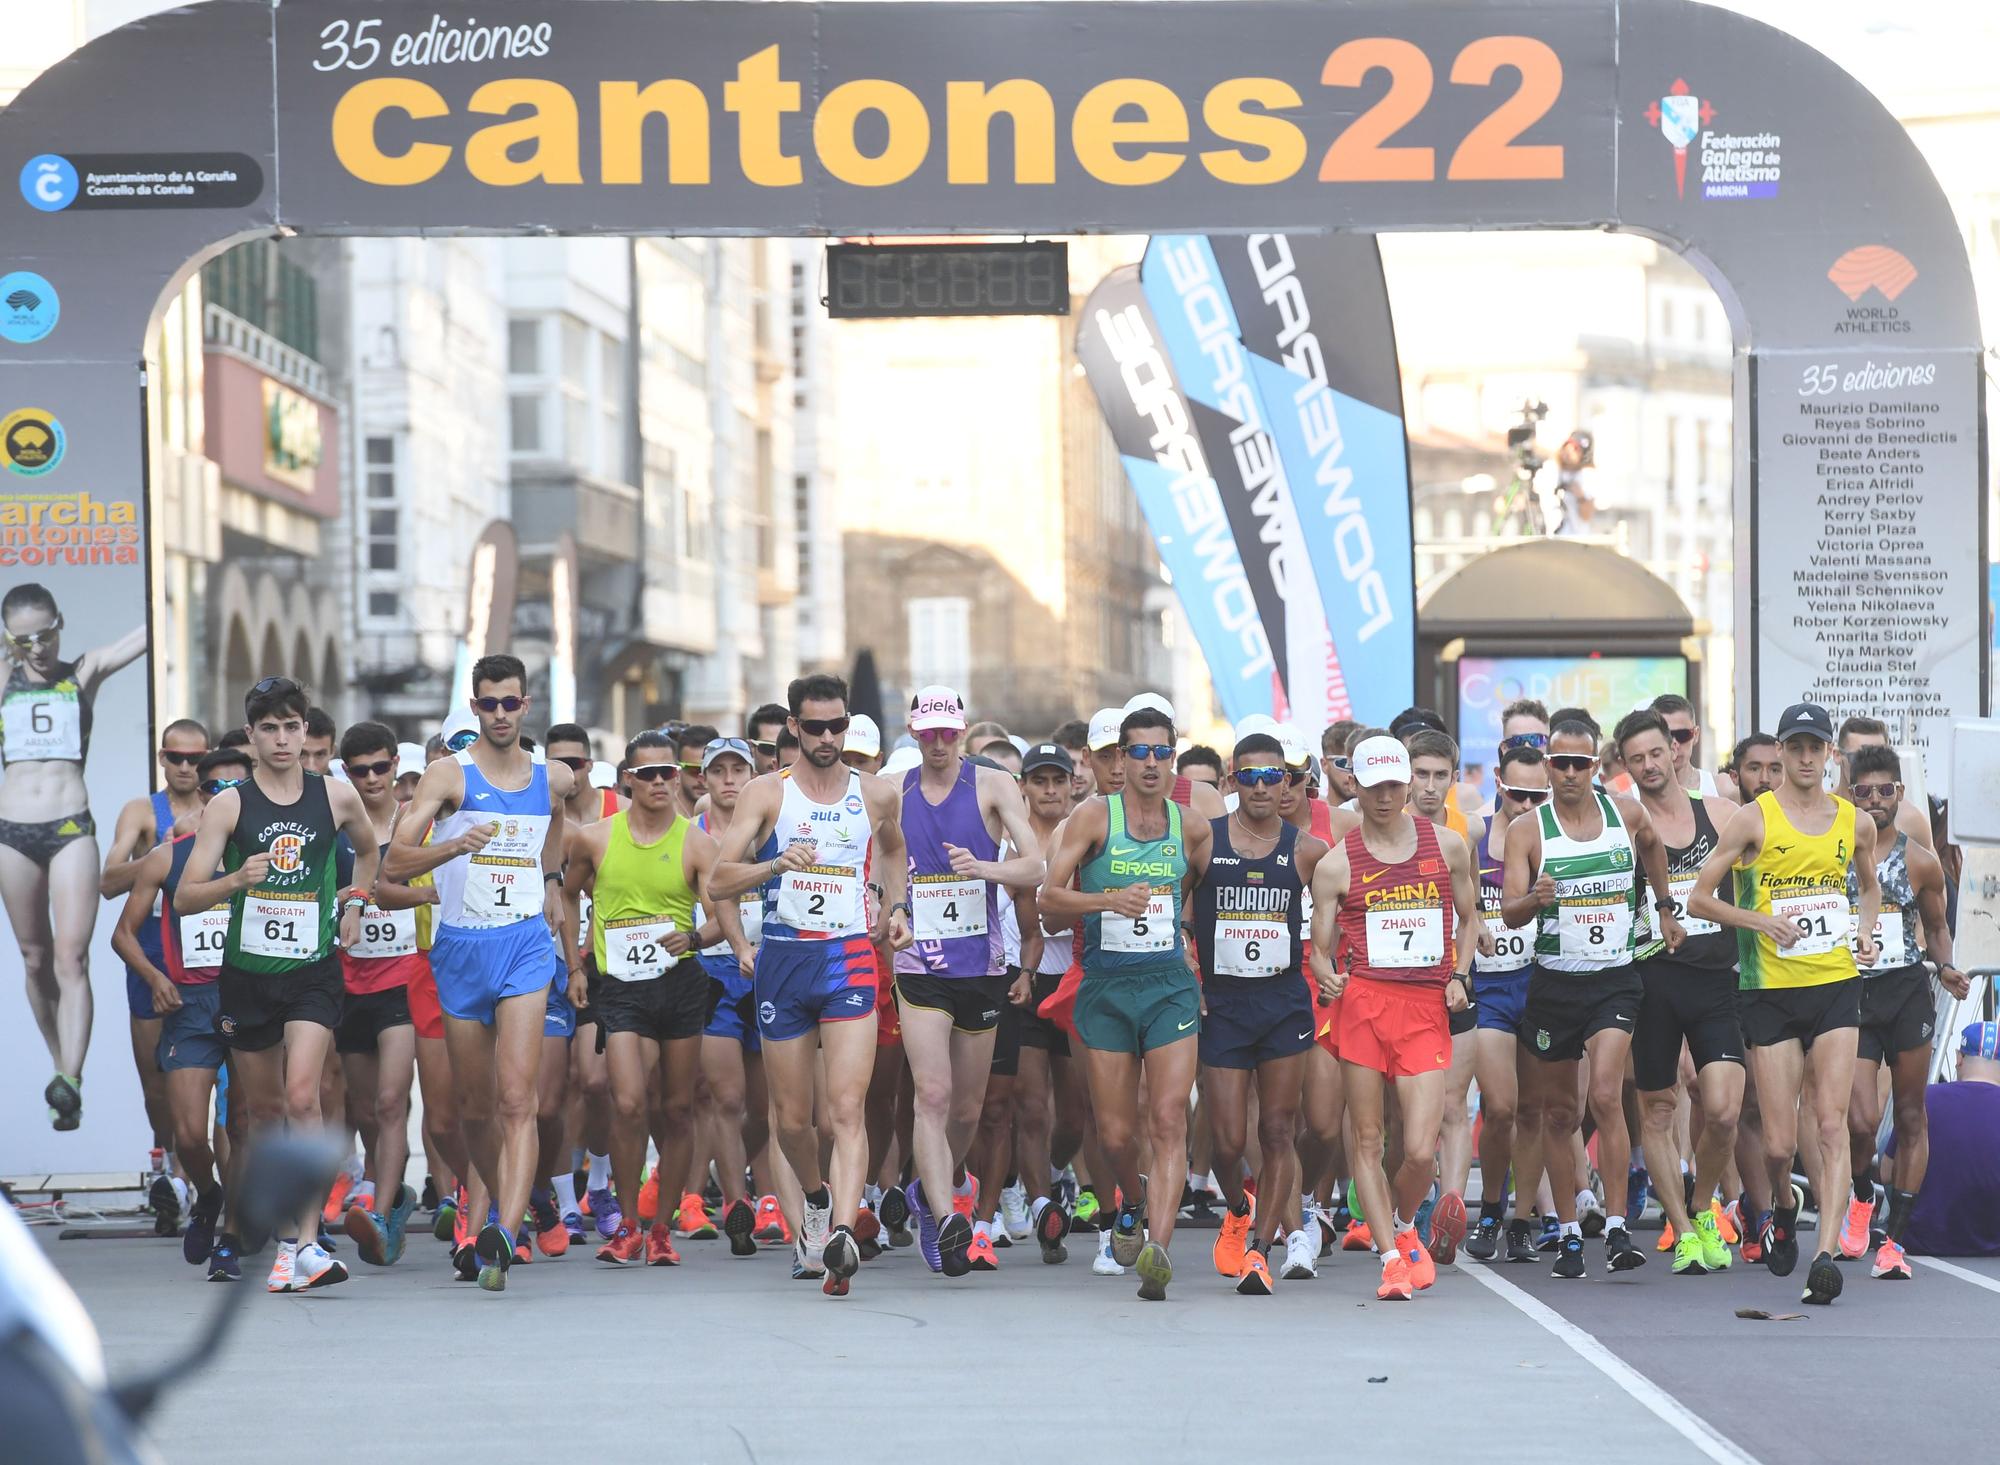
(1165, 450)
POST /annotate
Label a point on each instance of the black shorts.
(44, 841)
(1037, 1031)
(1566, 1009)
(1898, 1012)
(972, 1003)
(665, 1009)
(256, 1006)
(1773, 1015)
(1683, 1003)
(366, 1015)
(1255, 1020)
(1007, 1035)
(1466, 1021)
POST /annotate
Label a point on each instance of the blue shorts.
(222, 1096)
(188, 1038)
(139, 996)
(735, 1014)
(799, 984)
(1501, 998)
(476, 970)
(1251, 1022)
(560, 1019)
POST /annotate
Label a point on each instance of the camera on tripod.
(1521, 437)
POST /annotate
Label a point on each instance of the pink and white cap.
(937, 706)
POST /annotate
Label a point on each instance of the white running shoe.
(1014, 1212)
(314, 1268)
(817, 1228)
(1301, 1257)
(282, 1273)
(1102, 1265)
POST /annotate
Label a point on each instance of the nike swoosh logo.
(1186, 1025)
(1371, 879)
(1130, 849)
(1306, 1034)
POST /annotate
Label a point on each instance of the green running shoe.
(1087, 1206)
(1688, 1256)
(1715, 1255)
(1155, 1271)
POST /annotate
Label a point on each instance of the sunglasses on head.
(1571, 762)
(1151, 752)
(1528, 796)
(274, 684)
(214, 786)
(1875, 790)
(654, 772)
(1681, 734)
(459, 741)
(1525, 740)
(370, 770)
(1260, 777)
(181, 760)
(491, 705)
(823, 727)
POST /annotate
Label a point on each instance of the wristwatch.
(555, 875)
(901, 905)
(1667, 905)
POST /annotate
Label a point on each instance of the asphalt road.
(731, 1361)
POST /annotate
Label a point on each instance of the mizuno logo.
(1781, 849)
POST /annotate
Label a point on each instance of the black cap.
(1807, 718)
(1047, 755)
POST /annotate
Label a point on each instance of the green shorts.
(1138, 1011)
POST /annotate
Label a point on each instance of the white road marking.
(1964, 1274)
(1684, 1422)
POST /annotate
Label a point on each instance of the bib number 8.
(1596, 935)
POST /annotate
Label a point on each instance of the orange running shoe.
(1253, 1278)
(1230, 1242)
(660, 1247)
(1890, 1263)
(1725, 1221)
(1423, 1271)
(772, 1228)
(867, 1225)
(624, 1246)
(1854, 1229)
(1666, 1241)
(965, 1202)
(649, 1199)
(336, 1199)
(523, 1253)
(1396, 1284)
(693, 1220)
(461, 1231)
(361, 1202)
(980, 1253)
(1358, 1237)
(1448, 1220)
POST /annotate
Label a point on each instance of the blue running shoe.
(225, 1263)
(398, 1222)
(1128, 1234)
(927, 1225)
(1551, 1234)
(573, 1223)
(1424, 1216)
(1637, 1182)
(604, 1210)
(199, 1240)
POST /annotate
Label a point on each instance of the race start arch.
(1859, 449)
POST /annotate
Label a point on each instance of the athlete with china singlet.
(1898, 1007)
(1573, 868)
(951, 981)
(812, 831)
(143, 825)
(1395, 921)
(1689, 1000)
(48, 841)
(1257, 1018)
(181, 988)
(1138, 1010)
(735, 1120)
(1791, 853)
(376, 1040)
(279, 988)
(586, 1119)
(494, 814)
(644, 868)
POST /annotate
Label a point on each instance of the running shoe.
(1589, 1213)
(1423, 1270)
(573, 1223)
(551, 1236)
(1447, 1228)
(1050, 1229)
(1781, 1244)
(65, 1101)
(603, 1203)
(816, 1225)
(693, 1219)
(625, 1245)
(495, 1257)
(1668, 1241)
(370, 1234)
(200, 1238)
(806, 1268)
(1087, 1207)
(1521, 1242)
(1015, 1222)
(979, 1256)
(996, 1231)
(465, 1263)
(867, 1227)
(1853, 1228)
(772, 1227)
(1725, 1221)
(1104, 1264)
(964, 1199)
(1230, 1242)
(1301, 1257)
(1552, 1234)
(1637, 1182)
(1128, 1234)
(445, 1225)
(927, 1225)
(523, 1253)
(283, 1272)
(842, 1261)
(1715, 1255)
(1254, 1279)
(1759, 1234)
(660, 1246)
(1619, 1252)
(1823, 1282)
(1688, 1258)
(649, 1197)
(1358, 1237)
(1155, 1268)
(225, 1263)
(1569, 1258)
(955, 1245)
(739, 1223)
(1484, 1243)
(1890, 1263)
(313, 1268)
(336, 1199)
(893, 1210)
(165, 1200)
(1424, 1212)
(397, 1222)
(1396, 1284)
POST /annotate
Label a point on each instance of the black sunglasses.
(499, 704)
(574, 765)
(1875, 790)
(654, 772)
(214, 786)
(821, 727)
(1571, 762)
(1528, 796)
(769, 750)
(1260, 777)
(274, 684)
(181, 760)
(370, 770)
(1681, 734)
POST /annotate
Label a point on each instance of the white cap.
(1381, 760)
(901, 761)
(1104, 725)
(935, 706)
(460, 720)
(863, 736)
(603, 775)
(1021, 744)
(335, 768)
(409, 758)
(1152, 702)
(1294, 743)
(1257, 722)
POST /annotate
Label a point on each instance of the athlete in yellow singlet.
(1789, 853)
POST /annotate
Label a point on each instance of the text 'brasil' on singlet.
(1800, 878)
(1151, 940)
(954, 919)
(1396, 921)
(286, 920)
(1589, 928)
(823, 901)
(1247, 909)
(640, 897)
(502, 884)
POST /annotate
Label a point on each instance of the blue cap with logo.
(1980, 1040)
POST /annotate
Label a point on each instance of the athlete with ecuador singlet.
(1401, 895)
(1791, 852)
(279, 986)
(813, 830)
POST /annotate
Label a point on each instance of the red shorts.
(1326, 1018)
(425, 1014)
(888, 1016)
(1059, 1007)
(1399, 1029)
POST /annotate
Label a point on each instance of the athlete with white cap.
(862, 748)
